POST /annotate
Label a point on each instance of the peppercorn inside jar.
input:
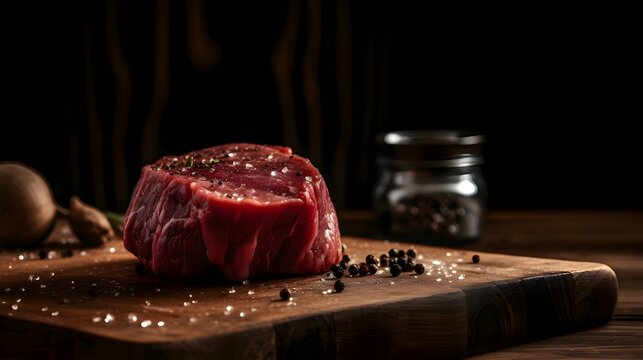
(430, 186)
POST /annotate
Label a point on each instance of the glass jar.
(430, 186)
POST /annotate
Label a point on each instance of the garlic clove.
(91, 225)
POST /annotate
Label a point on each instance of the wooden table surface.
(614, 238)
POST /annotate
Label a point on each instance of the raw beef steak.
(247, 210)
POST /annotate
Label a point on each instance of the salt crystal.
(461, 277)
(109, 318)
(44, 309)
(186, 303)
(232, 290)
(21, 257)
(14, 306)
(242, 314)
(193, 319)
(97, 319)
(18, 300)
(112, 250)
(132, 318)
(157, 290)
(22, 289)
(250, 292)
(146, 323)
(253, 309)
(161, 323)
(229, 308)
(438, 279)
(148, 303)
(83, 253)
(55, 313)
(42, 286)
(448, 254)
(273, 173)
(308, 178)
(392, 282)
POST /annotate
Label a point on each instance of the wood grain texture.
(456, 308)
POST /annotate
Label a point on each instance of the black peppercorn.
(419, 269)
(284, 294)
(409, 266)
(401, 253)
(343, 265)
(372, 268)
(475, 258)
(370, 259)
(346, 258)
(392, 253)
(43, 253)
(353, 269)
(402, 261)
(384, 260)
(411, 253)
(363, 269)
(339, 286)
(396, 270)
(337, 270)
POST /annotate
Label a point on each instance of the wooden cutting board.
(94, 305)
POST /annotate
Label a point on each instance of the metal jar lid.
(443, 148)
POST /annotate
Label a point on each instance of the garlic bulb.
(27, 207)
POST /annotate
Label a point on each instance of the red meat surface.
(244, 210)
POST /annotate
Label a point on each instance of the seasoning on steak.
(245, 210)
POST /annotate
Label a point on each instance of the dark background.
(556, 91)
